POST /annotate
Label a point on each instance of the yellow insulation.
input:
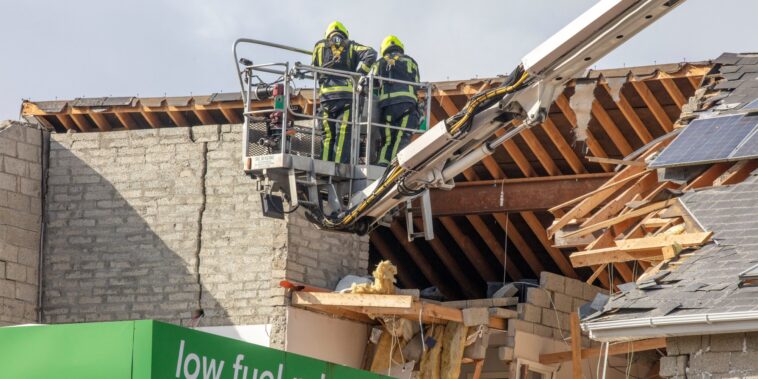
(381, 362)
(384, 280)
(453, 344)
(429, 368)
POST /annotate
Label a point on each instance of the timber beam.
(528, 194)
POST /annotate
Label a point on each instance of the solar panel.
(707, 140)
(749, 147)
(752, 106)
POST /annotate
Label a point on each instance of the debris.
(581, 103)
(508, 290)
(496, 302)
(452, 350)
(476, 316)
(384, 280)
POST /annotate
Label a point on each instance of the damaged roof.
(707, 280)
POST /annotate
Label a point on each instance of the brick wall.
(20, 212)
(711, 356)
(158, 223)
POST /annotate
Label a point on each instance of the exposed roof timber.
(483, 197)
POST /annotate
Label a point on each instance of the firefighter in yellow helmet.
(338, 52)
(397, 102)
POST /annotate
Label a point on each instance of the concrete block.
(574, 288)
(744, 361)
(26, 292)
(15, 166)
(537, 297)
(544, 331)
(28, 152)
(519, 325)
(476, 316)
(7, 289)
(552, 282)
(15, 271)
(530, 312)
(508, 290)
(563, 303)
(505, 353)
(713, 363)
(478, 350)
(673, 366)
(727, 342)
(8, 182)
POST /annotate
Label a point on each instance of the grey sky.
(66, 49)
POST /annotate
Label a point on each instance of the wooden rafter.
(449, 261)
(127, 120)
(178, 118)
(563, 147)
(674, 92)
(597, 150)
(422, 263)
(611, 129)
(101, 122)
(67, 122)
(152, 119)
(653, 105)
(495, 246)
(82, 122)
(632, 117)
(474, 255)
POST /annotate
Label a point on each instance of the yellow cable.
(397, 171)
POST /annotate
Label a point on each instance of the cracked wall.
(160, 223)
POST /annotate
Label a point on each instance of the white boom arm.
(434, 159)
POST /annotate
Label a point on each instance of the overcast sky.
(54, 49)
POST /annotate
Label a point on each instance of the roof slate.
(706, 281)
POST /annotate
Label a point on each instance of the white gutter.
(670, 326)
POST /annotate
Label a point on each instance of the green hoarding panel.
(81, 351)
(150, 350)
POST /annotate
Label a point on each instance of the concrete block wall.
(548, 308)
(159, 223)
(322, 258)
(20, 221)
(711, 356)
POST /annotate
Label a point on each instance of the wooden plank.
(656, 222)
(598, 270)
(101, 122)
(178, 118)
(539, 151)
(610, 127)
(615, 349)
(610, 184)
(68, 123)
(152, 119)
(708, 176)
(205, 117)
(557, 255)
(479, 365)
(653, 105)
(232, 115)
(127, 120)
(617, 204)
(82, 122)
(635, 213)
(352, 300)
(594, 146)
(645, 243)
(737, 173)
(563, 147)
(674, 91)
(576, 346)
(633, 118)
(430, 313)
(515, 153)
(636, 249)
(616, 161)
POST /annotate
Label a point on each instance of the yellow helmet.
(336, 26)
(390, 41)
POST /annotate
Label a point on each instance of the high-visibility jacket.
(397, 65)
(351, 56)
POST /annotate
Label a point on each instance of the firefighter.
(398, 103)
(337, 52)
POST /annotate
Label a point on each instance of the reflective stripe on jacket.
(351, 57)
(396, 65)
